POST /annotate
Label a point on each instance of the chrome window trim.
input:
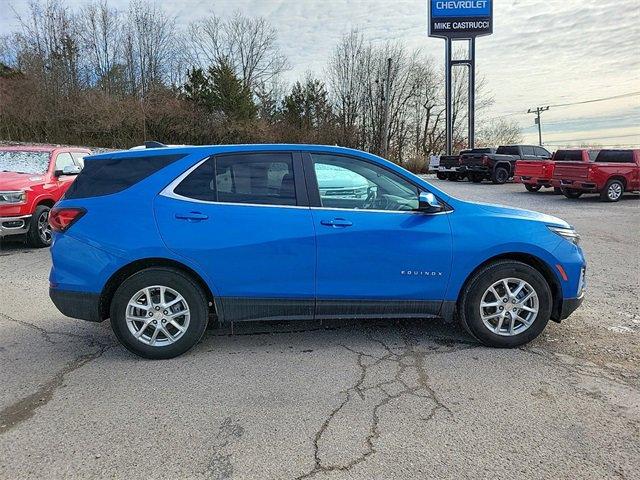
(168, 192)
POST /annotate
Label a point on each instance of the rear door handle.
(192, 216)
(336, 223)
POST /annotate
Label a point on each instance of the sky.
(551, 52)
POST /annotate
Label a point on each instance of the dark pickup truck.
(449, 167)
(500, 166)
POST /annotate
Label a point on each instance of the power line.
(603, 99)
(594, 138)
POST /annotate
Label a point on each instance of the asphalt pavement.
(350, 400)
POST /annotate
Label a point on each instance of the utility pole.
(387, 98)
(538, 111)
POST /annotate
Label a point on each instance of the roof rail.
(153, 144)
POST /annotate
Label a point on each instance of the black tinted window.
(508, 151)
(541, 152)
(527, 151)
(199, 184)
(615, 156)
(264, 178)
(104, 177)
(568, 156)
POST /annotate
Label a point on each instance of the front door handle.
(192, 216)
(336, 223)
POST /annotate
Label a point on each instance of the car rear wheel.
(453, 177)
(500, 176)
(476, 178)
(571, 193)
(441, 176)
(159, 313)
(613, 191)
(506, 304)
(532, 188)
(39, 234)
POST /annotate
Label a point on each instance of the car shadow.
(291, 333)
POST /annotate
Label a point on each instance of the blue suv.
(163, 240)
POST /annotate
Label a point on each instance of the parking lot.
(357, 400)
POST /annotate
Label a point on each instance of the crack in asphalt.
(408, 358)
(220, 466)
(25, 408)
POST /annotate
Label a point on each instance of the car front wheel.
(39, 234)
(159, 313)
(532, 188)
(570, 193)
(506, 304)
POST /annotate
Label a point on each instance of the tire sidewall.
(179, 282)
(33, 235)
(480, 283)
(608, 186)
(500, 178)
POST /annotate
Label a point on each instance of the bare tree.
(101, 36)
(249, 45)
(499, 132)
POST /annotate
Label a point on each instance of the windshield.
(24, 161)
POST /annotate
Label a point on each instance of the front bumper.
(82, 305)
(14, 225)
(570, 305)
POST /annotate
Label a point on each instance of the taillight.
(485, 160)
(61, 219)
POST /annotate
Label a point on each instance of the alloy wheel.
(44, 229)
(615, 191)
(509, 307)
(157, 316)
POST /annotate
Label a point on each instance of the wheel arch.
(617, 177)
(47, 202)
(504, 164)
(533, 261)
(114, 281)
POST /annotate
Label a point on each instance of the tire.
(441, 176)
(613, 191)
(39, 234)
(557, 191)
(477, 289)
(194, 301)
(453, 177)
(476, 178)
(532, 188)
(500, 175)
(571, 193)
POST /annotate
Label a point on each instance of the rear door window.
(528, 151)
(615, 156)
(257, 178)
(113, 175)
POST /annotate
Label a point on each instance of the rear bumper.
(544, 182)
(82, 305)
(474, 169)
(575, 185)
(14, 225)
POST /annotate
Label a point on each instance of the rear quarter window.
(615, 156)
(113, 175)
(568, 156)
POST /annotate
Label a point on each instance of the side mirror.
(428, 203)
(68, 170)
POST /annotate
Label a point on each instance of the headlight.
(568, 234)
(18, 196)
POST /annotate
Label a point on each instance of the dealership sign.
(460, 18)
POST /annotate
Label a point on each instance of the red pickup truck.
(535, 174)
(613, 173)
(32, 179)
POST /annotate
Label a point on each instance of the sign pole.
(460, 20)
(448, 96)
